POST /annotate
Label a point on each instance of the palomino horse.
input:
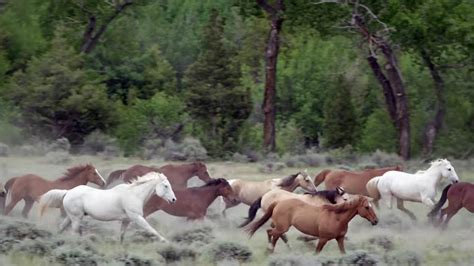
(192, 202)
(30, 187)
(315, 198)
(123, 202)
(326, 221)
(178, 175)
(459, 195)
(420, 187)
(353, 182)
(249, 191)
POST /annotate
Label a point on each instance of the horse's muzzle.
(375, 222)
(173, 200)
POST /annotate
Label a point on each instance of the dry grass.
(395, 241)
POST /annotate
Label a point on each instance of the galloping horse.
(459, 195)
(419, 187)
(353, 182)
(178, 175)
(123, 202)
(191, 202)
(315, 198)
(249, 191)
(30, 187)
(326, 221)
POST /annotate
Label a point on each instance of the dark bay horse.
(178, 175)
(326, 222)
(191, 202)
(459, 195)
(353, 182)
(30, 187)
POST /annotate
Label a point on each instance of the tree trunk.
(271, 58)
(434, 126)
(390, 78)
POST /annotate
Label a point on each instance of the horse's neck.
(346, 215)
(207, 194)
(70, 182)
(433, 176)
(291, 187)
(144, 191)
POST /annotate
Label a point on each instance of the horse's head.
(163, 188)
(200, 170)
(224, 189)
(94, 176)
(366, 210)
(305, 181)
(447, 170)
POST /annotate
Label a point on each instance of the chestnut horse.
(191, 202)
(353, 182)
(30, 187)
(178, 175)
(459, 195)
(326, 222)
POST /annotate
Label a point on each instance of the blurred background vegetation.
(185, 79)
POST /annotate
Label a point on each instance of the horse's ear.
(340, 190)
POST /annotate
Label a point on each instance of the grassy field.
(395, 241)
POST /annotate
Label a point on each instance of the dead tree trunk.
(434, 126)
(271, 58)
(92, 34)
(390, 78)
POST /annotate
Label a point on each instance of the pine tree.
(215, 97)
(339, 117)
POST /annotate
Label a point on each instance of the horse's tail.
(52, 199)
(254, 227)
(440, 203)
(372, 189)
(319, 178)
(252, 211)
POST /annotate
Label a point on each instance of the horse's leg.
(269, 236)
(28, 204)
(428, 202)
(123, 228)
(321, 243)
(64, 224)
(285, 239)
(227, 205)
(401, 207)
(13, 201)
(340, 243)
(450, 212)
(76, 224)
(387, 198)
(139, 220)
(275, 236)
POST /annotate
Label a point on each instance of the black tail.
(252, 212)
(442, 200)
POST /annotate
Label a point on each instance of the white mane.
(148, 177)
(439, 162)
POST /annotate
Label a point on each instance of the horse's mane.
(74, 171)
(330, 195)
(289, 180)
(434, 163)
(146, 178)
(215, 182)
(344, 206)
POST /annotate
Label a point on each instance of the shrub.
(240, 158)
(7, 244)
(21, 230)
(193, 150)
(72, 255)
(60, 145)
(359, 257)
(139, 260)
(97, 142)
(271, 167)
(33, 247)
(341, 155)
(230, 251)
(383, 159)
(382, 241)
(200, 235)
(172, 253)
(403, 257)
(378, 133)
(4, 150)
(293, 260)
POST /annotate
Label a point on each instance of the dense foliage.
(164, 70)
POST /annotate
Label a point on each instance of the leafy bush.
(97, 142)
(289, 139)
(342, 156)
(20, 230)
(382, 241)
(7, 244)
(403, 257)
(240, 158)
(193, 150)
(4, 150)
(60, 145)
(72, 255)
(359, 257)
(293, 260)
(383, 159)
(34, 247)
(378, 133)
(230, 251)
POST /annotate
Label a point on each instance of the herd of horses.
(130, 195)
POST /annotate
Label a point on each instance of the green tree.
(339, 118)
(215, 96)
(57, 97)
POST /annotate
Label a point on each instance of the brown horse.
(191, 202)
(178, 175)
(326, 222)
(352, 182)
(30, 187)
(459, 195)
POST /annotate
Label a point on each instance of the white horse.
(123, 202)
(419, 187)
